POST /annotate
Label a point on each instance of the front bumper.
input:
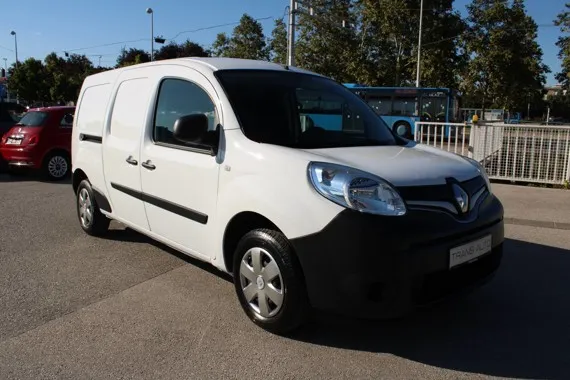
(382, 267)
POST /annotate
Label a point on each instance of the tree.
(278, 44)
(563, 43)
(64, 77)
(247, 41)
(328, 42)
(506, 68)
(389, 36)
(28, 81)
(221, 45)
(443, 56)
(132, 56)
(186, 49)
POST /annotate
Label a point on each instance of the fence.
(516, 152)
(452, 137)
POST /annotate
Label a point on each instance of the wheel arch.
(237, 227)
(77, 176)
(51, 151)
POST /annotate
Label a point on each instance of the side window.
(66, 121)
(177, 98)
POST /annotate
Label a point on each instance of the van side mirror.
(191, 128)
(68, 119)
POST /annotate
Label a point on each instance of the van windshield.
(33, 119)
(301, 110)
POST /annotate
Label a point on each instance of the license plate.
(13, 141)
(470, 251)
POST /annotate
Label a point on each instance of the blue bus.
(401, 107)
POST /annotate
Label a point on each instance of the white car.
(286, 180)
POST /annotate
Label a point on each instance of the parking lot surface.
(77, 307)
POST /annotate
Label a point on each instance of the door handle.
(148, 164)
(131, 160)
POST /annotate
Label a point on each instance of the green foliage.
(506, 66)
(563, 43)
(389, 36)
(278, 44)
(29, 80)
(247, 41)
(325, 46)
(186, 49)
(132, 56)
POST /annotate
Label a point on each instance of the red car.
(41, 140)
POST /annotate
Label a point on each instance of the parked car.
(209, 156)
(41, 140)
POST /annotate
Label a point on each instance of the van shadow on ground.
(516, 326)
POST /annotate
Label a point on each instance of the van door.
(121, 148)
(179, 180)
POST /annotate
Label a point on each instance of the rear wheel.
(403, 129)
(56, 166)
(269, 282)
(91, 220)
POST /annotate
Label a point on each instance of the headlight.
(356, 189)
(481, 170)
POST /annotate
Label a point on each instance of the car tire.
(56, 166)
(403, 129)
(91, 220)
(284, 281)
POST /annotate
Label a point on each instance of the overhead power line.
(5, 48)
(169, 39)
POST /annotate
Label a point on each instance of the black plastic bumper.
(373, 266)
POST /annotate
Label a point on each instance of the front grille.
(439, 193)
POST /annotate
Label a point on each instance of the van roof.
(210, 63)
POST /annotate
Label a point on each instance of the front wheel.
(269, 282)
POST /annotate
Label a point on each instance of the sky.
(84, 26)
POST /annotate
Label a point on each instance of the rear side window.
(91, 112)
(34, 119)
(178, 98)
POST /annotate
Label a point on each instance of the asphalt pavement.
(77, 307)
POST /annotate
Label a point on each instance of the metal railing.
(515, 152)
(452, 137)
(519, 152)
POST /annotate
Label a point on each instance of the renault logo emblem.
(461, 197)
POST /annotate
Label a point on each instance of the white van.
(286, 180)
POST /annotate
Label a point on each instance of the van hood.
(409, 165)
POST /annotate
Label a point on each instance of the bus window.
(382, 105)
(433, 108)
(404, 106)
(327, 111)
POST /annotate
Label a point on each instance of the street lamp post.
(291, 35)
(151, 13)
(419, 44)
(15, 46)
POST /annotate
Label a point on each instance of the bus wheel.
(403, 129)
